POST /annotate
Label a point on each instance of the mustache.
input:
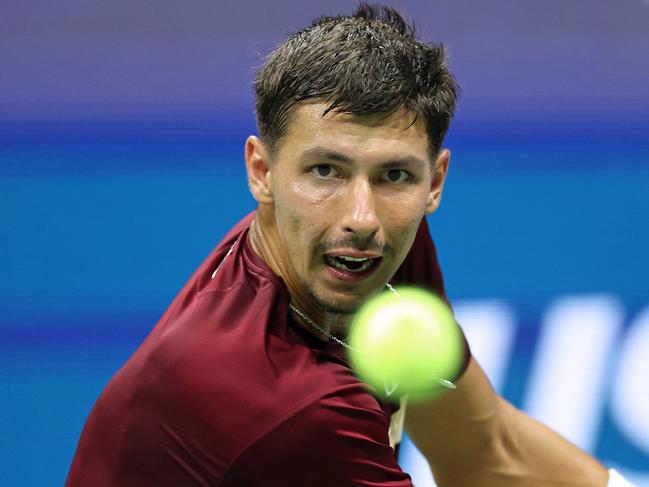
(354, 243)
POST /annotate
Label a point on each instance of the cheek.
(297, 232)
(303, 208)
(402, 222)
(404, 236)
(403, 210)
(295, 224)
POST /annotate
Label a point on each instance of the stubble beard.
(333, 307)
(330, 307)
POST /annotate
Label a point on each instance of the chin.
(338, 306)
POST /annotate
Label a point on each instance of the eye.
(396, 175)
(324, 171)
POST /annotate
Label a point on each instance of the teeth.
(343, 267)
(336, 262)
(353, 259)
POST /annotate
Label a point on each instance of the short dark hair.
(367, 63)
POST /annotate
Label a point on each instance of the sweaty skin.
(341, 184)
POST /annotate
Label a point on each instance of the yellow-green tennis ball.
(406, 343)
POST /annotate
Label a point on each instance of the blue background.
(121, 165)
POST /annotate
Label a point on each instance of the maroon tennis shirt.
(227, 391)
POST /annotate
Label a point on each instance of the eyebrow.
(321, 153)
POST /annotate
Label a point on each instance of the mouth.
(351, 267)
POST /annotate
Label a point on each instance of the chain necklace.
(318, 327)
(306, 318)
(443, 382)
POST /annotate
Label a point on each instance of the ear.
(259, 170)
(440, 170)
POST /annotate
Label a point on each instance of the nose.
(359, 214)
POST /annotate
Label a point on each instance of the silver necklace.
(306, 318)
(443, 382)
(318, 327)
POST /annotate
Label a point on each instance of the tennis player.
(245, 380)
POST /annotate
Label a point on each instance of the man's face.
(349, 193)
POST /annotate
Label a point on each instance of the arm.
(471, 436)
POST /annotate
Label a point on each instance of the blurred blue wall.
(121, 143)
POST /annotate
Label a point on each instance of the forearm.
(525, 454)
(471, 437)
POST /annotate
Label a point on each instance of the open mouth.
(351, 264)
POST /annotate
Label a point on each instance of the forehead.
(393, 135)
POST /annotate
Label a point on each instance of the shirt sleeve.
(334, 441)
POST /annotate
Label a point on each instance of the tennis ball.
(406, 342)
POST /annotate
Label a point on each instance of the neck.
(265, 240)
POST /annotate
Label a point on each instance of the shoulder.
(339, 439)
